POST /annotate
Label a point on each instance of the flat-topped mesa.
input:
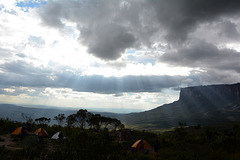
(216, 93)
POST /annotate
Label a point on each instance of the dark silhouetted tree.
(43, 120)
(182, 124)
(94, 121)
(117, 123)
(71, 120)
(81, 117)
(105, 121)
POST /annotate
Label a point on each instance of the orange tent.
(142, 145)
(19, 131)
(41, 132)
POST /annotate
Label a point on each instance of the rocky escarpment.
(213, 103)
(216, 94)
(196, 105)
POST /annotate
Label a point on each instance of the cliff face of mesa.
(196, 105)
(216, 94)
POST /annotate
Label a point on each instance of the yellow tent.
(41, 132)
(142, 145)
(19, 131)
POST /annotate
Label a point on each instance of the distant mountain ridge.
(14, 112)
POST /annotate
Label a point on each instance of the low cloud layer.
(22, 74)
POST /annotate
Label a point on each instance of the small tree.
(81, 117)
(182, 124)
(59, 118)
(71, 120)
(43, 120)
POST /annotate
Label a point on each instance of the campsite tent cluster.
(33, 138)
(22, 131)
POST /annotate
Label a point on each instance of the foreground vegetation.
(184, 143)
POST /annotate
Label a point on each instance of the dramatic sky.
(122, 54)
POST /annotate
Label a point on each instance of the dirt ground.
(9, 143)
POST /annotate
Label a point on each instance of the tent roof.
(142, 144)
(41, 132)
(55, 136)
(18, 131)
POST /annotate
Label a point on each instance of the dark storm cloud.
(22, 74)
(205, 56)
(180, 17)
(109, 85)
(108, 28)
(229, 29)
(107, 41)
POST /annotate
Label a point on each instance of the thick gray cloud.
(200, 54)
(108, 28)
(109, 85)
(180, 17)
(22, 68)
(229, 29)
(20, 73)
(107, 41)
(23, 74)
